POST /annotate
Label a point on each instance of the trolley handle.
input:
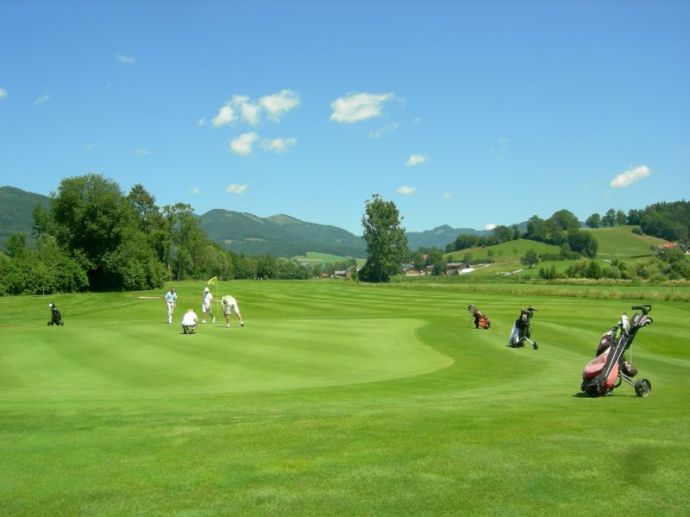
(646, 308)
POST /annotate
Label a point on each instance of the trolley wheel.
(618, 382)
(643, 388)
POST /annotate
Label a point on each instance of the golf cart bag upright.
(522, 329)
(481, 320)
(55, 316)
(609, 368)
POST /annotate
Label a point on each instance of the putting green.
(154, 360)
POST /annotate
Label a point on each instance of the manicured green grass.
(338, 399)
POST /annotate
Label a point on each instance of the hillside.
(620, 242)
(439, 237)
(506, 252)
(279, 235)
(16, 206)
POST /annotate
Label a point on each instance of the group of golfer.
(190, 320)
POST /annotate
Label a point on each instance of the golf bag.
(609, 368)
(522, 330)
(484, 322)
(55, 316)
(481, 320)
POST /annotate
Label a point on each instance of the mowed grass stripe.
(496, 432)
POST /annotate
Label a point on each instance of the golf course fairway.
(339, 398)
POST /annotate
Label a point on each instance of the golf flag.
(213, 280)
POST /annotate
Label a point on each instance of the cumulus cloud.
(489, 227)
(447, 195)
(243, 107)
(225, 116)
(415, 160)
(279, 103)
(236, 188)
(627, 178)
(127, 60)
(42, 99)
(244, 143)
(406, 190)
(3, 93)
(201, 122)
(277, 145)
(357, 107)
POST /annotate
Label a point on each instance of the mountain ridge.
(242, 232)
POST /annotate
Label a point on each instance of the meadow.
(339, 398)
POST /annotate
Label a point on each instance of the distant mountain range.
(438, 237)
(278, 235)
(16, 206)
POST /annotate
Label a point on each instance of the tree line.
(95, 237)
(669, 221)
(561, 229)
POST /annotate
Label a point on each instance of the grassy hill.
(619, 242)
(337, 399)
(507, 252)
(614, 243)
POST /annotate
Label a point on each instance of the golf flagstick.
(214, 281)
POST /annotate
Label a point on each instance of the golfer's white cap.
(205, 288)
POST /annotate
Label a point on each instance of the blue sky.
(462, 113)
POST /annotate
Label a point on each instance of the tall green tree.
(96, 224)
(92, 218)
(593, 221)
(385, 238)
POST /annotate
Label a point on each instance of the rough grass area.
(338, 399)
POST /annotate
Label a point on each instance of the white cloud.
(236, 188)
(627, 178)
(201, 122)
(250, 111)
(278, 145)
(406, 190)
(415, 160)
(278, 103)
(3, 93)
(127, 60)
(378, 133)
(42, 99)
(226, 115)
(90, 147)
(195, 190)
(356, 107)
(447, 195)
(243, 144)
(142, 152)
(489, 227)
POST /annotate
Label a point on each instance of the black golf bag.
(55, 316)
(522, 329)
(609, 368)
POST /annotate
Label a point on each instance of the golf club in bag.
(609, 368)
